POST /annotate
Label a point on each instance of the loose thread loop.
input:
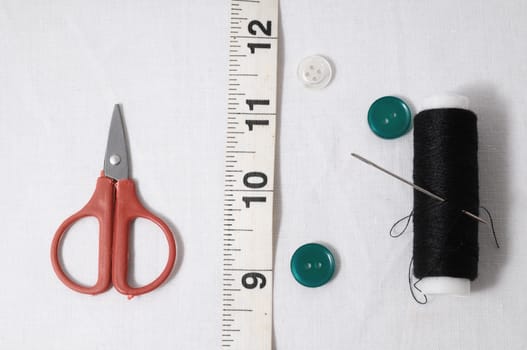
(399, 234)
(491, 226)
(413, 286)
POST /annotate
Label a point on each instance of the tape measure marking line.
(251, 37)
(241, 152)
(233, 190)
(245, 1)
(249, 270)
(249, 113)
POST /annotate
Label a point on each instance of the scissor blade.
(116, 159)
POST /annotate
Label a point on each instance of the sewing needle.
(418, 188)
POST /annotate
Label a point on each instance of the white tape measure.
(247, 293)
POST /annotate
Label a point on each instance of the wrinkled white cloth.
(63, 64)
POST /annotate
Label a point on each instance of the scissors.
(115, 205)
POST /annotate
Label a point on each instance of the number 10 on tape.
(249, 176)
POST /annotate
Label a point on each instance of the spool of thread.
(445, 246)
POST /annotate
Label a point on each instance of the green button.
(312, 265)
(389, 117)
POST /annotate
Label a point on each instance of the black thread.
(406, 218)
(491, 222)
(413, 286)
(445, 163)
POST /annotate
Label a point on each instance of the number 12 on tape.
(249, 176)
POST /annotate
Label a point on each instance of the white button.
(315, 71)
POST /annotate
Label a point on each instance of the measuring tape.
(247, 292)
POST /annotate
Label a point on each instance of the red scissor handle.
(127, 209)
(99, 206)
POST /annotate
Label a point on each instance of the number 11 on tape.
(247, 292)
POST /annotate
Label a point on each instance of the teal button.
(389, 117)
(312, 265)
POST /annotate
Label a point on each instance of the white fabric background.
(63, 64)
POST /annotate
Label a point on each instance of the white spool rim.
(445, 101)
(445, 285)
